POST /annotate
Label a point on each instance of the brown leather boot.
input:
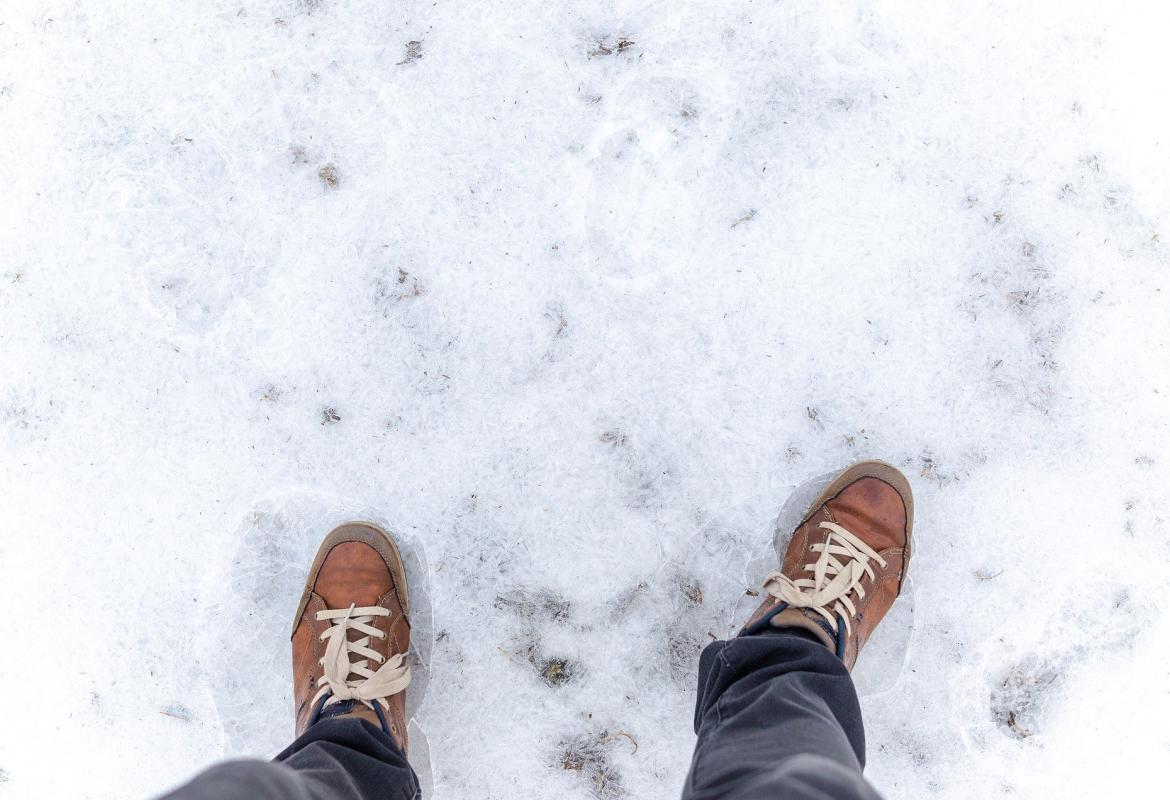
(846, 561)
(352, 631)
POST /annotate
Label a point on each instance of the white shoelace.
(833, 581)
(369, 686)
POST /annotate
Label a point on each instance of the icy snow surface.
(572, 295)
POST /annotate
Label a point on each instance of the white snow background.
(572, 295)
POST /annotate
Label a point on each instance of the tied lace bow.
(828, 592)
(392, 677)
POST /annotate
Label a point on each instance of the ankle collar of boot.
(782, 616)
(344, 708)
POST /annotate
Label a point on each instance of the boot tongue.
(337, 709)
(356, 708)
(799, 618)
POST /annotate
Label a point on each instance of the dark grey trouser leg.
(336, 759)
(777, 717)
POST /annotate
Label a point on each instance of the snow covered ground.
(572, 295)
